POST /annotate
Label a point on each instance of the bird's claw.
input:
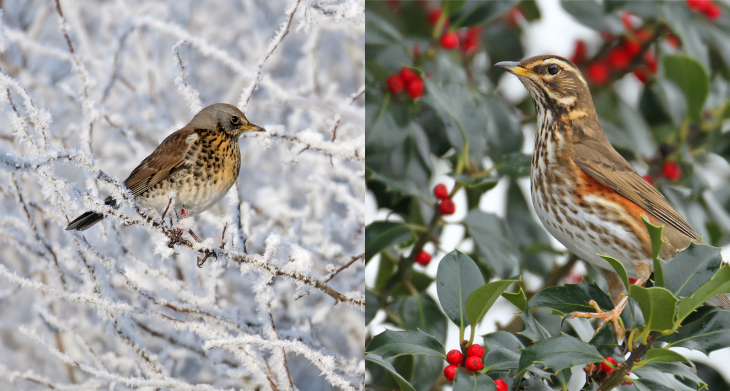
(614, 316)
(208, 253)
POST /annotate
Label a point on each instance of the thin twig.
(248, 91)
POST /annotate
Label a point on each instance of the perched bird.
(200, 162)
(586, 195)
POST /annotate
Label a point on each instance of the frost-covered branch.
(273, 44)
(326, 364)
(124, 304)
(191, 95)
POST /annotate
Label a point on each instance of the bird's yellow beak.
(254, 128)
(514, 68)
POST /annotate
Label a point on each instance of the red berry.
(672, 171)
(605, 367)
(440, 191)
(433, 16)
(414, 88)
(454, 357)
(598, 73)
(450, 372)
(643, 35)
(423, 258)
(619, 58)
(640, 74)
(449, 41)
(698, 5)
(475, 350)
(648, 179)
(632, 48)
(632, 281)
(674, 41)
(447, 207)
(712, 12)
(501, 385)
(407, 74)
(474, 363)
(580, 52)
(650, 61)
(471, 39)
(627, 20)
(628, 383)
(395, 83)
(514, 15)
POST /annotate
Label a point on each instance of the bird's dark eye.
(235, 120)
(553, 69)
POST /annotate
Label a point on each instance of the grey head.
(225, 117)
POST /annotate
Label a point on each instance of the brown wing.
(606, 166)
(164, 160)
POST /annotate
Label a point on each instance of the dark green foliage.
(464, 133)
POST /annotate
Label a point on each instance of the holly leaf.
(719, 284)
(517, 298)
(655, 234)
(707, 334)
(420, 312)
(456, 278)
(657, 305)
(473, 382)
(661, 355)
(559, 352)
(692, 79)
(372, 306)
(479, 302)
(377, 360)
(477, 12)
(571, 297)
(381, 235)
(619, 268)
(691, 268)
(391, 343)
(533, 329)
(496, 249)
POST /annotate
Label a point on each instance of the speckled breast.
(586, 217)
(210, 168)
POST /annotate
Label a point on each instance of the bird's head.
(554, 82)
(225, 117)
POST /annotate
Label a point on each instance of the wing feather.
(610, 169)
(166, 159)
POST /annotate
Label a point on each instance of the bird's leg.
(190, 231)
(643, 272)
(166, 208)
(223, 237)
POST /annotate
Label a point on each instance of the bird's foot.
(175, 237)
(614, 316)
(208, 254)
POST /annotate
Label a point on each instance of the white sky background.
(90, 310)
(555, 32)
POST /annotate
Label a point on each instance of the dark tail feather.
(88, 219)
(85, 221)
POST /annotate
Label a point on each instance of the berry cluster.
(466, 39)
(607, 367)
(446, 205)
(408, 80)
(619, 58)
(711, 10)
(473, 362)
(671, 170)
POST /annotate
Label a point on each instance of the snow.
(86, 93)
